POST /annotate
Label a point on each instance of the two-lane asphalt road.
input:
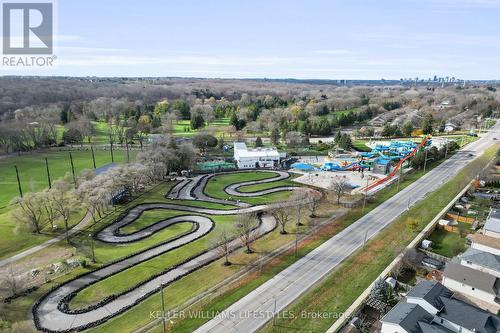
(252, 311)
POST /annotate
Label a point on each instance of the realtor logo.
(27, 28)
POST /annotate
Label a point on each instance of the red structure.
(393, 172)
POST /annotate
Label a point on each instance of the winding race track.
(52, 313)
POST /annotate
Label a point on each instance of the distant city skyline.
(317, 39)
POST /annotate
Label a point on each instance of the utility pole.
(366, 193)
(400, 175)
(93, 156)
(164, 324)
(274, 312)
(92, 248)
(18, 182)
(446, 150)
(128, 154)
(425, 160)
(296, 239)
(111, 146)
(48, 172)
(72, 168)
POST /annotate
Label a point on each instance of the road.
(251, 312)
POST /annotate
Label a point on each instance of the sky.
(307, 39)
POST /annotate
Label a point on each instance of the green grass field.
(215, 187)
(360, 145)
(447, 243)
(183, 127)
(33, 174)
(334, 298)
(179, 291)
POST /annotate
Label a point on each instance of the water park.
(366, 172)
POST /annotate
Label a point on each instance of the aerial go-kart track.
(52, 312)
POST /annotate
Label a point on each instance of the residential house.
(481, 261)
(492, 224)
(474, 284)
(484, 243)
(449, 127)
(431, 308)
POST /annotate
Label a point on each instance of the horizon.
(320, 40)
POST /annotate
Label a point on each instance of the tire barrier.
(52, 313)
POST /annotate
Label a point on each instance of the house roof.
(471, 277)
(485, 240)
(431, 291)
(469, 316)
(494, 213)
(433, 328)
(241, 151)
(415, 319)
(408, 316)
(493, 221)
(481, 258)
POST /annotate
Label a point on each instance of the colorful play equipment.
(425, 142)
(380, 160)
(355, 166)
(304, 166)
(381, 155)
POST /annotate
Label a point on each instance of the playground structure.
(380, 165)
(425, 142)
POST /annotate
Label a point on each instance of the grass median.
(341, 287)
(235, 291)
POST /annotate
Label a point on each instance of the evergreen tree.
(156, 122)
(337, 137)
(275, 136)
(197, 121)
(345, 142)
(407, 129)
(427, 124)
(258, 142)
(442, 126)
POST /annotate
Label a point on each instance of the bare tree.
(245, 224)
(64, 202)
(299, 197)
(339, 186)
(397, 269)
(221, 241)
(282, 215)
(312, 203)
(12, 283)
(47, 203)
(30, 210)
